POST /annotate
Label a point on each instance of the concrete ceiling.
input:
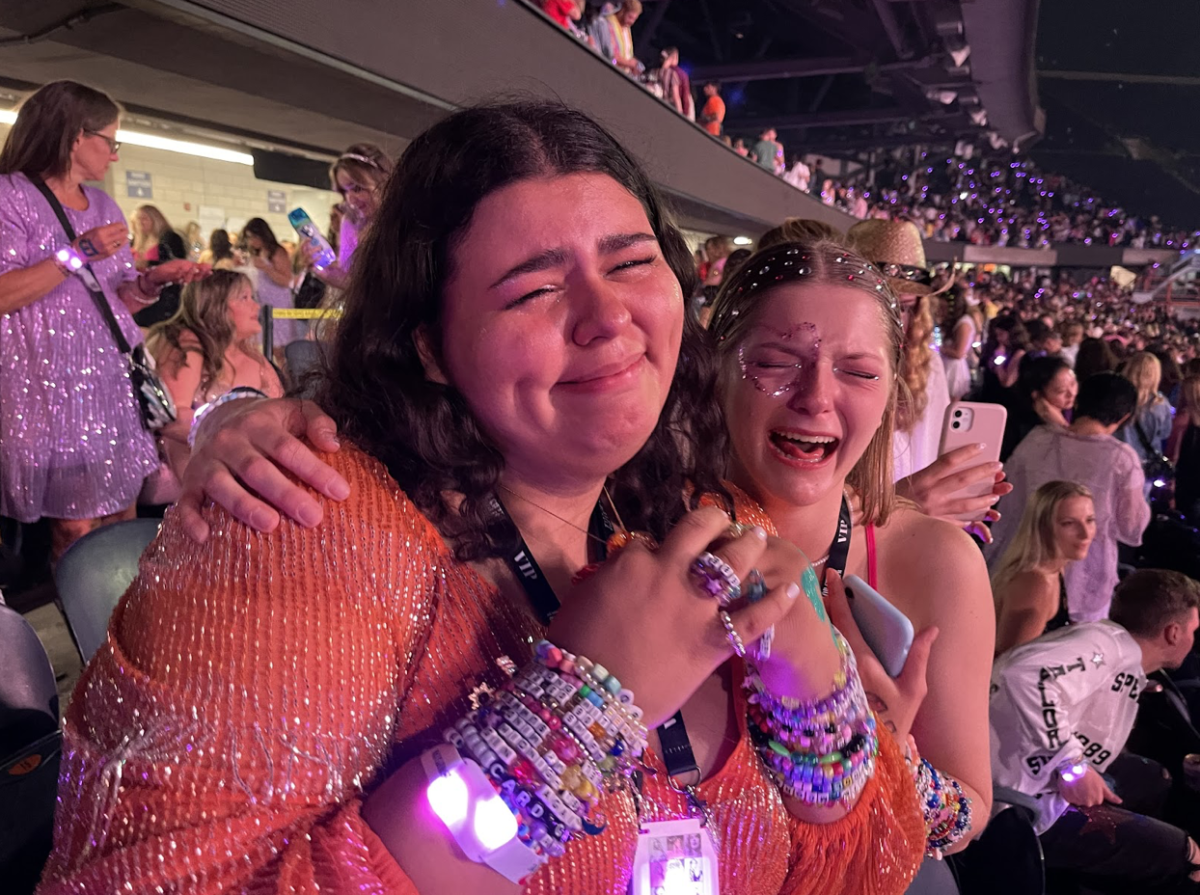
(184, 70)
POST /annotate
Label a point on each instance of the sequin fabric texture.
(72, 445)
(251, 690)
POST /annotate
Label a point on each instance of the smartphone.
(887, 630)
(323, 254)
(967, 422)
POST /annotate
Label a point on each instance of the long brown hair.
(364, 163)
(1189, 399)
(159, 226)
(425, 432)
(203, 313)
(827, 257)
(48, 123)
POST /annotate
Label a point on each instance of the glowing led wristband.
(1073, 772)
(69, 261)
(464, 799)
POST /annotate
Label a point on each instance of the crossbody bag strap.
(1141, 434)
(98, 297)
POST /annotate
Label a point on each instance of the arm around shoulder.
(244, 699)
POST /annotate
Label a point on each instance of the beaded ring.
(716, 578)
(735, 639)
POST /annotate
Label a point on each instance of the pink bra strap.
(871, 576)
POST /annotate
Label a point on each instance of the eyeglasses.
(113, 145)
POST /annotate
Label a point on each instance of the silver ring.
(735, 639)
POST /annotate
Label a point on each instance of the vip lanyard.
(839, 550)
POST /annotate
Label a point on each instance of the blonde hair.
(1033, 544)
(914, 366)
(159, 226)
(800, 230)
(1189, 399)
(827, 255)
(1144, 370)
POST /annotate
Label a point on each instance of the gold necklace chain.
(553, 514)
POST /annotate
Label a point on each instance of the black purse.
(155, 401)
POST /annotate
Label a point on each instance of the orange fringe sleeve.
(221, 739)
(876, 849)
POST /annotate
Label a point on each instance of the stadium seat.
(30, 747)
(93, 574)
(1007, 858)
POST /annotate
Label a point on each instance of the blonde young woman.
(156, 242)
(207, 349)
(1150, 424)
(921, 475)
(1057, 528)
(154, 239)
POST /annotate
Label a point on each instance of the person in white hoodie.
(1062, 707)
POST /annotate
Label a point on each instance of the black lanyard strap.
(839, 550)
(523, 564)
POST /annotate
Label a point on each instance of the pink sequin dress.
(72, 445)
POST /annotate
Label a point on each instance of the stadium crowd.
(343, 608)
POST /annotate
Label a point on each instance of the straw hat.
(895, 247)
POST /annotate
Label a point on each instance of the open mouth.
(803, 448)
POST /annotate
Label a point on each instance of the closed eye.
(860, 374)
(528, 296)
(637, 262)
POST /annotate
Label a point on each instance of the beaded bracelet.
(821, 751)
(946, 808)
(559, 732)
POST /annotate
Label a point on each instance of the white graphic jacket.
(1066, 697)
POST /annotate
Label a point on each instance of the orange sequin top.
(251, 690)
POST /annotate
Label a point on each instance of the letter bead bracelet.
(551, 741)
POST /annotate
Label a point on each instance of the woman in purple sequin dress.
(72, 444)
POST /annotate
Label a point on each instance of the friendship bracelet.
(822, 751)
(550, 741)
(946, 808)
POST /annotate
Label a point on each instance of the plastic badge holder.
(675, 857)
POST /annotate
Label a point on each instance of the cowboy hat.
(895, 247)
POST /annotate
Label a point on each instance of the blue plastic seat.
(93, 574)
